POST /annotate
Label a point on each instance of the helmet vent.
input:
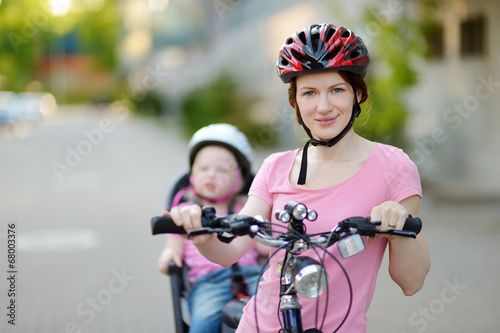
(289, 41)
(302, 37)
(329, 33)
(299, 56)
(346, 34)
(356, 52)
(333, 53)
(315, 42)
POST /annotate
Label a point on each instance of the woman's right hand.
(189, 217)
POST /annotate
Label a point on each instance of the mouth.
(210, 186)
(326, 121)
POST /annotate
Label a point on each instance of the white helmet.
(227, 136)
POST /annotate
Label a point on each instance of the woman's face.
(325, 102)
(214, 172)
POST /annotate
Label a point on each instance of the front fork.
(290, 309)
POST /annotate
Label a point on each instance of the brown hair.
(361, 90)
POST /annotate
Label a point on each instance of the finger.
(396, 219)
(376, 217)
(178, 261)
(187, 218)
(162, 267)
(177, 217)
(392, 222)
(195, 216)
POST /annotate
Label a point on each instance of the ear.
(359, 96)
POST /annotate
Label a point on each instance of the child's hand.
(166, 256)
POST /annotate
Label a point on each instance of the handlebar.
(231, 226)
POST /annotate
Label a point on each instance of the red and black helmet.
(322, 47)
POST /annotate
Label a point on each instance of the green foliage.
(100, 37)
(30, 32)
(20, 43)
(151, 104)
(430, 27)
(218, 102)
(393, 51)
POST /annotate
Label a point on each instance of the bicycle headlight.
(298, 210)
(312, 215)
(283, 216)
(310, 278)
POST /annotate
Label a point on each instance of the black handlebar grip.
(413, 224)
(165, 225)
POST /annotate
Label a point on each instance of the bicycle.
(300, 274)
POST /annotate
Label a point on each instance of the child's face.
(214, 172)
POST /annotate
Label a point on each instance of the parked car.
(9, 107)
(36, 105)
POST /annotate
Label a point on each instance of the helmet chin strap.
(356, 110)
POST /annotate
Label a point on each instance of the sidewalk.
(461, 293)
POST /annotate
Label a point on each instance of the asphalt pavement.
(77, 193)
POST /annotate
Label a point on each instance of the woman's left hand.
(393, 215)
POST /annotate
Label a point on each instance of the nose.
(324, 104)
(211, 172)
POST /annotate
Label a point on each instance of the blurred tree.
(20, 45)
(393, 50)
(32, 31)
(218, 102)
(393, 33)
(99, 32)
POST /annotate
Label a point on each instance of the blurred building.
(454, 125)
(195, 39)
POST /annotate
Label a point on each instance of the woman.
(340, 175)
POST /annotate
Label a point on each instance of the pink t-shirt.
(388, 174)
(199, 265)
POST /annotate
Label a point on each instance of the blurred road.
(79, 191)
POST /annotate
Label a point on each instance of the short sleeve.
(403, 179)
(260, 184)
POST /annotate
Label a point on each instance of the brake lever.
(409, 234)
(204, 231)
(365, 227)
(360, 225)
(227, 227)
